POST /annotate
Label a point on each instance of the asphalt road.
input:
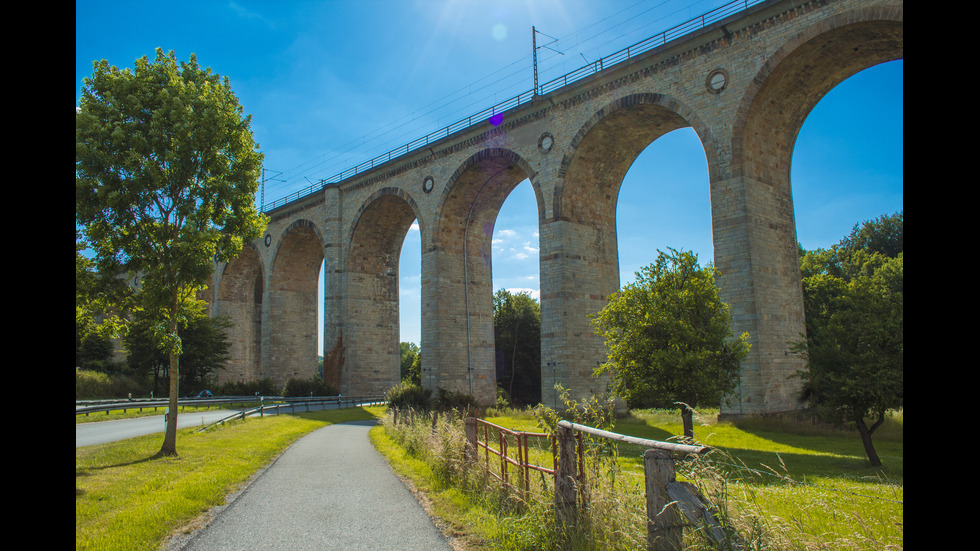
(331, 490)
(87, 434)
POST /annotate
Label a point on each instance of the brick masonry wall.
(745, 85)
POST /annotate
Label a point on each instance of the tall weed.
(755, 508)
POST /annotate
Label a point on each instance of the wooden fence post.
(664, 531)
(565, 478)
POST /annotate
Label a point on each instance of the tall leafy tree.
(166, 170)
(669, 338)
(517, 340)
(411, 366)
(854, 300)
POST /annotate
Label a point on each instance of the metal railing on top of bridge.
(660, 39)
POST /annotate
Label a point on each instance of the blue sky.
(330, 84)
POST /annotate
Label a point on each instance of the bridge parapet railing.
(605, 62)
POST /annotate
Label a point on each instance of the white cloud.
(535, 293)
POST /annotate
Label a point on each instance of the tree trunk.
(869, 447)
(513, 363)
(170, 438)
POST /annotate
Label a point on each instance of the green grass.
(790, 485)
(782, 484)
(461, 516)
(129, 498)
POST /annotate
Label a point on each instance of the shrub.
(447, 400)
(90, 385)
(407, 395)
(308, 387)
(261, 387)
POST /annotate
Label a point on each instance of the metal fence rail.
(606, 62)
(521, 462)
(266, 403)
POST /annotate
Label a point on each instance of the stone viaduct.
(744, 83)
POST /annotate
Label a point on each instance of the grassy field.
(779, 484)
(783, 485)
(129, 499)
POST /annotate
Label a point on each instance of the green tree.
(517, 341)
(96, 319)
(854, 346)
(204, 343)
(669, 338)
(166, 170)
(885, 235)
(411, 363)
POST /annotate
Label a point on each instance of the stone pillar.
(579, 270)
(457, 323)
(756, 254)
(334, 284)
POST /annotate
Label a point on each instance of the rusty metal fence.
(511, 451)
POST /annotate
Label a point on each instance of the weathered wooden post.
(664, 530)
(565, 478)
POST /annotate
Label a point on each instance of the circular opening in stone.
(717, 81)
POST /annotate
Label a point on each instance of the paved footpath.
(331, 490)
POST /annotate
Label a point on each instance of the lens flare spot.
(499, 31)
(497, 119)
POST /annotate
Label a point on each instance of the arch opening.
(515, 271)
(664, 202)
(458, 338)
(581, 266)
(847, 160)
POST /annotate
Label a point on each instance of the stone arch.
(631, 123)
(371, 339)
(371, 201)
(239, 297)
(800, 73)
(292, 304)
(457, 333)
(297, 225)
(484, 166)
(579, 245)
(758, 261)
